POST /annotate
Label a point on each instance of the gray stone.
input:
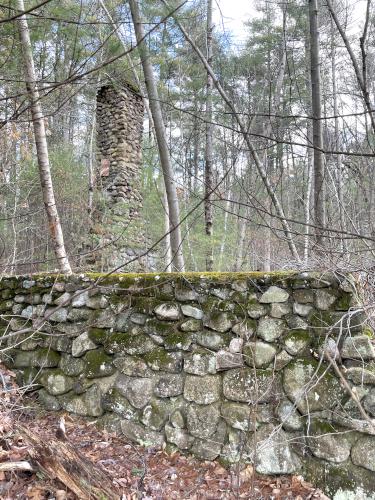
(178, 341)
(282, 359)
(241, 384)
(185, 294)
(110, 423)
(259, 354)
(219, 321)
(369, 401)
(56, 382)
(304, 296)
(35, 312)
(274, 294)
(324, 299)
(64, 299)
(213, 340)
(236, 345)
(239, 285)
(239, 416)
(41, 358)
(288, 415)
(202, 420)
(226, 360)
(70, 365)
(302, 309)
(82, 344)
(278, 310)
(104, 319)
(138, 318)
(169, 385)
(179, 437)
(49, 402)
(310, 387)
(245, 329)
(209, 449)
(28, 284)
(256, 311)
(202, 390)
(363, 452)
(270, 329)
(220, 293)
(138, 391)
(97, 302)
(200, 363)
(191, 311)
(81, 299)
(273, 452)
(360, 375)
(59, 315)
(177, 419)
(98, 364)
(156, 414)
(296, 341)
(139, 434)
(122, 322)
(161, 360)
(329, 443)
(168, 311)
(358, 348)
(191, 325)
(79, 315)
(132, 366)
(88, 404)
(297, 323)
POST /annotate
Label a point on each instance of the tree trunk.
(41, 145)
(209, 146)
(316, 106)
(170, 186)
(59, 459)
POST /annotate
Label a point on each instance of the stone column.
(117, 225)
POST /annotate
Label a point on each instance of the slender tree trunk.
(316, 105)
(41, 145)
(209, 146)
(170, 186)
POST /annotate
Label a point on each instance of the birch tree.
(49, 201)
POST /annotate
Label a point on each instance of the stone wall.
(117, 229)
(227, 366)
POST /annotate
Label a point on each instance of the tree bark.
(41, 145)
(316, 107)
(168, 174)
(59, 459)
(209, 146)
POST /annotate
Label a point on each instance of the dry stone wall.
(224, 366)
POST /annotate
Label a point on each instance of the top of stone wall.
(287, 279)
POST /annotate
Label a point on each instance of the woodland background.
(228, 216)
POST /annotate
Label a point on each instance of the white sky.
(235, 12)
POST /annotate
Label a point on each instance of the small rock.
(81, 299)
(202, 420)
(191, 325)
(245, 328)
(239, 416)
(191, 311)
(360, 375)
(200, 363)
(278, 310)
(139, 434)
(329, 443)
(301, 309)
(169, 385)
(132, 366)
(324, 299)
(274, 294)
(179, 437)
(202, 390)
(282, 359)
(256, 311)
(226, 360)
(168, 311)
(358, 348)
(270, 329)
(82, 344)
(290, 419)
(219, 321)
(259, 354)
(138, 391)
(236, 345)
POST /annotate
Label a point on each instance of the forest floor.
(137, 472)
